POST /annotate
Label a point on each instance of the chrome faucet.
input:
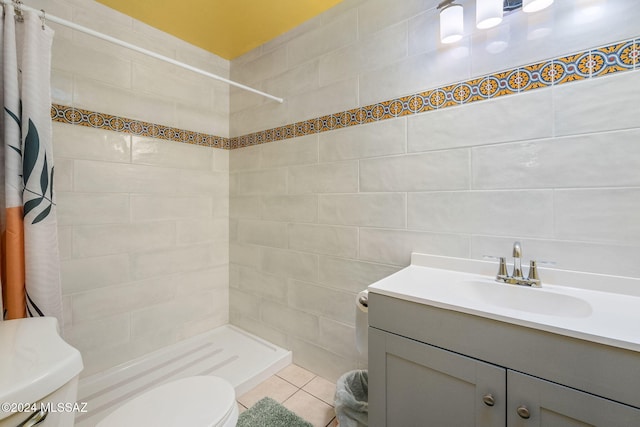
(516, 278)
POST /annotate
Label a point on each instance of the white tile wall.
(265, 233)
(86, 274)
(115, 238)
(91, 208)
(330, 303)
(340, 177)
(318, 218)
(112, 300)
(373, 210)
(382, 48)
(105, 68)
(325, 362)
(323, 239)
(151, 207)
(302, 208)
(575, 111)
(303, 78)
(380, 84)
(587, 160)
(351, 275)
(496, 213)
(286, 263)
(337, 33)
(143, 223)
(375, 15)
(294, 151)
(268, 65)
(497, 120)
(273, 181)
(370, 140)
(438, 170)
(113, 80)
(158, 263)
(154, 320)
(604, 215)
(97, 96)
(149, 151)
(554, 168)
(100, 176)
(331, 98)
(259, 284)
(249, 207)
(61, 87)
(338, 337)
(203, 230)
(296, 322)
(395, 246)
(79, 142)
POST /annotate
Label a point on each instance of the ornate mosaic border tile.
(92, 119)
(601, 61)
(622, 56)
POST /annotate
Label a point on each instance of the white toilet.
(200, 401)
(38, 368)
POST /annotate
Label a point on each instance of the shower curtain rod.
(138, 49)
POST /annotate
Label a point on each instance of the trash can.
(352, 399)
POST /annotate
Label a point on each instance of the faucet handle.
(533, 277)
(502, 269)
(502, 275)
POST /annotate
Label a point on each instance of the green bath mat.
(269, 413)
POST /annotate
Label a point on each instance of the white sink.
(521, 298)
(594, 307)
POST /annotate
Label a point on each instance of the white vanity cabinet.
(430, 366)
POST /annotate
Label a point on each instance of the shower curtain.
(29, 261)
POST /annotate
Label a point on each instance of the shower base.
(227, 352)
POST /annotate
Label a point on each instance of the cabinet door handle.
(488, 399)
(523, 412)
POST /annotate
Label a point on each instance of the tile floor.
(300, 391)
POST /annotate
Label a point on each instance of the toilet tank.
(38, 374)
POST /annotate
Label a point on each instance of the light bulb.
(451, 23)
(488, 13)
(530, 6)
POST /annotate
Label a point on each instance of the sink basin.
(588, 306)
(514, 297)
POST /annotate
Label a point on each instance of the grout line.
(298, 389)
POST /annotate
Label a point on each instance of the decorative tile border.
(617, 57)
(92, 119)
(623, 56)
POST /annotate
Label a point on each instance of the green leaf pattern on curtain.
(28, 168)
(29, 159)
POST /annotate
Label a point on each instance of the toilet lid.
(194, 401)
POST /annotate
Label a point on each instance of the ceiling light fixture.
(488, 13)
(530, 6)
(451, 21)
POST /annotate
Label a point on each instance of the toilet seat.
(200, 401)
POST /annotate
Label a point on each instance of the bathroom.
(161, 240)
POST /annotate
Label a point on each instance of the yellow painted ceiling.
(227, 28)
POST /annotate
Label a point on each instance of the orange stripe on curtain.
(12, 265)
